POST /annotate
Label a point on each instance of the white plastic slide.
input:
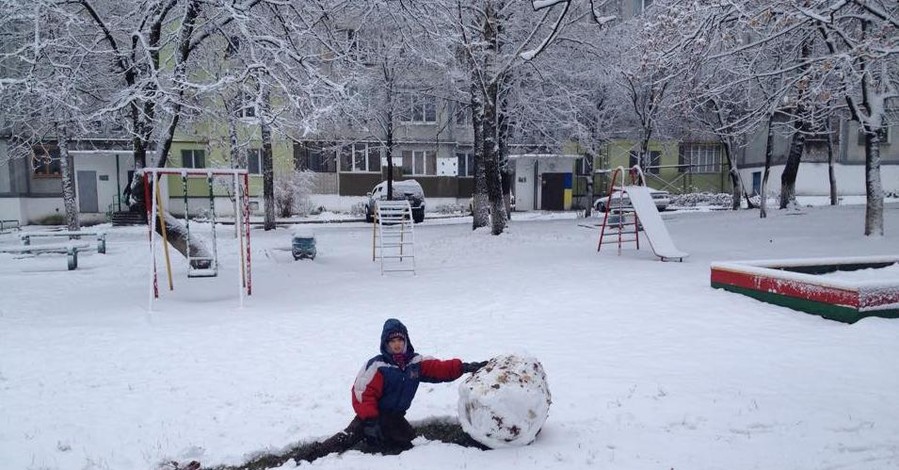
(653, 226)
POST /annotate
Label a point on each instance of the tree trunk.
(791, 169)
(831, 173)
(736, 181)
(176, 235)
(491, 33)
(68, 179)
(480, 213)
(588, 164)
(491, 162)
(736, 189)
(873, 186)
(502, 138)
(769, 150)
(388, 124)
(268, 174)
(235, 153)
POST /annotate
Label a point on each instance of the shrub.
(54, 219)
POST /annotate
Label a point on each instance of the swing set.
(206, 265)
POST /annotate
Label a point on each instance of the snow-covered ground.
(649, 367)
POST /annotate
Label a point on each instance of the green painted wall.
(670, 178)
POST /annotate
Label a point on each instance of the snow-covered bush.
(450, 209)
(292, 193)
(701, 199)
(358, 209)
(506, 402)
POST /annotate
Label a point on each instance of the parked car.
(406, 189)
(659, 197)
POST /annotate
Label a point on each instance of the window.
(45, 162)
(417, 108)
(315, 156)
(193, 158)
(652, 166)
(353, 47)
(701, 157)
(419, 162)
(254, 161)
(883, 133)
(466, 163)
(246, 105)
(463, 115)
(641, 5)
(361, 157)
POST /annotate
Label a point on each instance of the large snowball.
(506, 402)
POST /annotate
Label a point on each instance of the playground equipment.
(393, 238)
(209, 263)
(302, 245)
(199, 266)
(625, 216)
(69, 249)
(100, 236)
(799, 284)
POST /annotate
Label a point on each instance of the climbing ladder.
(620, 222)
(393, 239)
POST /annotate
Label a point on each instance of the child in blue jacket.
(384, 390)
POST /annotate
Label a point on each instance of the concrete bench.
(101, 237)
(8, 225)
(69, 249)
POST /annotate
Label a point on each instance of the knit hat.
(396, 334)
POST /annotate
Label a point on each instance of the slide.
(653, 226)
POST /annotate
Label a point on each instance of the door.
(756, 183)
(552, 197)
(87, 192)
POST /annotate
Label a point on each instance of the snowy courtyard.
(649, 367)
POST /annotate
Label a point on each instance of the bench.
(101, 237)
(7, 225)
(69, 249)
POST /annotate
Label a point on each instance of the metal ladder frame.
(620, 227)
(393, 236)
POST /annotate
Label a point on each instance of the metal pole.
(246, 206)
(118, 183)
(151, 221)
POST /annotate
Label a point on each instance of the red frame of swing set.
(245, 209)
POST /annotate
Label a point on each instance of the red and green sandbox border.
(794, 284)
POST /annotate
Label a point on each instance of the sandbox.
(834, 288)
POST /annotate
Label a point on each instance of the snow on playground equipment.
(202, 266)
(302, 245)
(800, 284)
(505, 403)
(645, 216)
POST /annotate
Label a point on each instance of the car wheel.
(418, 216)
